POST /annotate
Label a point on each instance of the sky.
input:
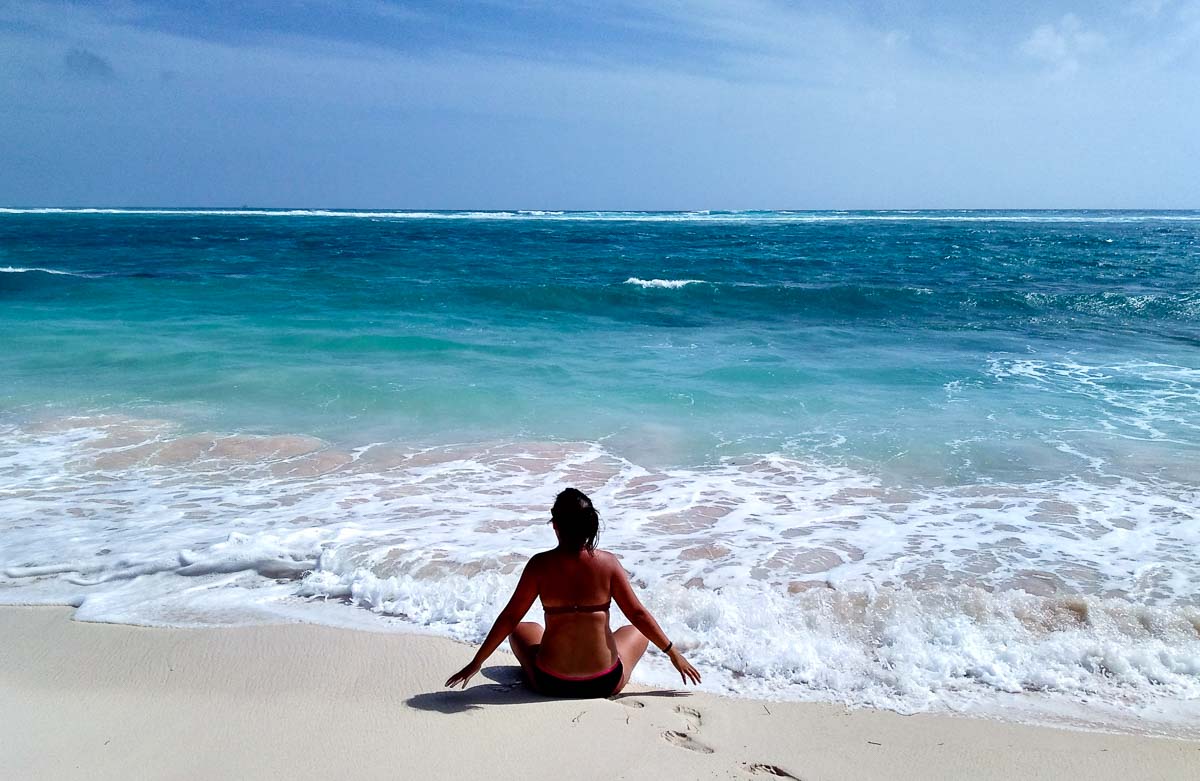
(571, 104)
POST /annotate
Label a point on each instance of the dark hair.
(576, 519)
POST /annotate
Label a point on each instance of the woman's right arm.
(518, 605)
(643, 621)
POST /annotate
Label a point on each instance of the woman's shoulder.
(601, 557)
(606, 558)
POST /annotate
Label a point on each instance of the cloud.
(84, 64)
(1149, 9)
(894, 39)
(1061, 46)
(783, 105)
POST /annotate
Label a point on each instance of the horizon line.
(533, 211)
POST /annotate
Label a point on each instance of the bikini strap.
(552, 611)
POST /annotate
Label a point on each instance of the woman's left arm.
(518, 605)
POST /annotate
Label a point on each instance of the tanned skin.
(575, 644)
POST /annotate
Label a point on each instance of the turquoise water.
(907, 459)
(949, 346)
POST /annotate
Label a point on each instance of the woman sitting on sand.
(578, 654)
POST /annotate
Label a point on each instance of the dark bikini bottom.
(602, 684)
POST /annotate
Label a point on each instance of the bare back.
(576, 643)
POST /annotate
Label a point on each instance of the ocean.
(916, 460)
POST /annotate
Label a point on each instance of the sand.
(297, 701)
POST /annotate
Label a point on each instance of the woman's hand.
(463, 675)
(686, 671)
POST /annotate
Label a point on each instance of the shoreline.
(104, 701)
(135, 521)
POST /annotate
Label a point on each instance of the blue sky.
(688, 104)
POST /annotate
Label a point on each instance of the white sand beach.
(101, 701)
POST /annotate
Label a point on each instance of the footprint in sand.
(762, 769)
(684, 740)
(690, 715)
(635, 704)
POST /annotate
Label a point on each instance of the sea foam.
(663, 283)
(19, 270)
(782, 578)
(952, 216)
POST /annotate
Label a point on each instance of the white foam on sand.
(783, 578)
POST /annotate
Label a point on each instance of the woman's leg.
(631, 644)
(525, 641)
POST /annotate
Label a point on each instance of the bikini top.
(554, 611)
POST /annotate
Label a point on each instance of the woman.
(578, 654)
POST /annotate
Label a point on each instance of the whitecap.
(21, 270)
(670, 284)
(703, 216)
